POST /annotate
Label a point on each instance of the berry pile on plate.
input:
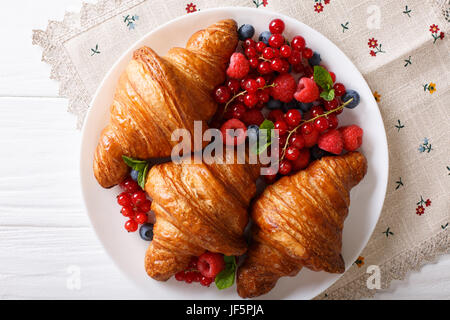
(279, 84)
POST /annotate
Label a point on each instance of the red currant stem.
(242, 93)
(311, 120)
(264, 59)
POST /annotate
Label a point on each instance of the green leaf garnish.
(267, 126)
(225, 278)
(323, 79)
(140, 166)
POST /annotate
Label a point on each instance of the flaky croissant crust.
(298, 222)
(198, 207)
(157, 95)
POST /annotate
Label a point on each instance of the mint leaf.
(323, 78)
(266, 141)
(140, 166)
(327, 95)
(225, 278)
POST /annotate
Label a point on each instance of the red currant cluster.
(135, 205)
(264, 77)
(202, 269)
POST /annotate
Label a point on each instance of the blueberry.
(274, 104)
(305, 106)
(253, 132)
(246, 31)
(146, 232)
(134, 175)
(293, 104)
(264, 37)
(349, 95)
(315, 60)
(317, 153)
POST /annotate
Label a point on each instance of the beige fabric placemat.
(401, 48)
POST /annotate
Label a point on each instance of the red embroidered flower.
(318, 7)
(191, 7)
(265, 2)
(373, 43)
(442, 35)
(420, 210)
(326, 1)
(428, 202)
(434, 28)
(373, 53)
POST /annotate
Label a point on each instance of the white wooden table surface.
(45, 234)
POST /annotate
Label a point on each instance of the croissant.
(198, 207)
(156, 95)
(298, 222)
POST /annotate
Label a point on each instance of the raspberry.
(252, 116)
(284, 88)
(307, 91)
(331, 141)
(210, 264)
(311, 139)
(352, 136)
(239, 66)
(239, 132)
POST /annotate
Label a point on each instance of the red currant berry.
(251, 52)
(297, 141)
(205, 281)
(145, 206)
(190, 276)
(307, 128)
(316, 111)
(237, 111)
(180, 276)
(129, 185)
(138, 197)
(276, 26)
(282, 127)
(251, 86)
(124, 199)
(197, 277)
(284, 66)
(276, 40)
(275, 115)
(141, 217)
(260, 46)
(333, 121)
(222, 94)
(293, 117)
(249, 43)
(127, 211)
(263, 96)
(268, 53)
(302, 160)
(295, 57)
(131, 225)
(298, 43)
(308, 53)
(264, 67)
(234, 85)
(282, 140)
(339, 89)
(292, 153)
(276, 53)
(311, 139)
(261, 82)
(285, 51)
(321, 124)
(298, 68)
(285, 167)
(276, 64)
(254, 62)
(210, 264)
(333, 76)
(251, 100)
(330, 105)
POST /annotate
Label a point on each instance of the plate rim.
(133, 46)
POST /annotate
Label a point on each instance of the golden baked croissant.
(156, 95)
(198, 207)
(298, 222)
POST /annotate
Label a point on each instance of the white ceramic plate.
(127, 250)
